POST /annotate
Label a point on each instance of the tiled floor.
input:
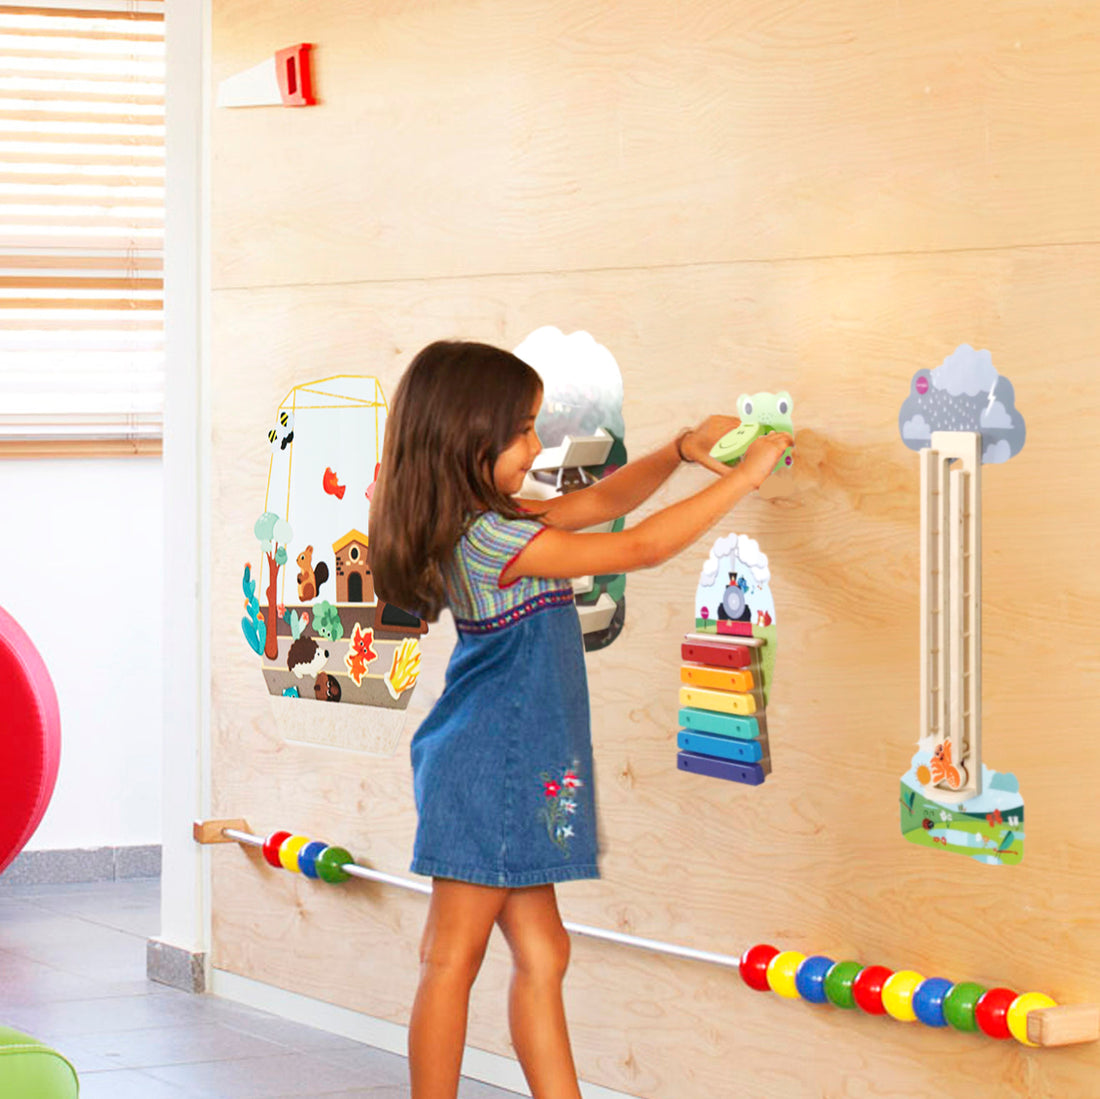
(72, 974)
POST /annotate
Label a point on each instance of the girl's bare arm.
(565, 554)
(626, 488)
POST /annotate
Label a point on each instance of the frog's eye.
(746, 407)
(784, 406)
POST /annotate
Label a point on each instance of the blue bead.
(809, 978)
(928, 1000)
(307, 857)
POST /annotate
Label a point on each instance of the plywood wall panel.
(813, 859)
(543, 135)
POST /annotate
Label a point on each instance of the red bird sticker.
(332, 484)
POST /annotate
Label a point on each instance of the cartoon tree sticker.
(274, 533)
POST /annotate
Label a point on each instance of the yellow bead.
(782, 970)
(1017, 1013)
(897, 994)
(288, 852)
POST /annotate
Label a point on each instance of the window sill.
(80, 448)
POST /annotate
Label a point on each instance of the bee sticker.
(282, 434)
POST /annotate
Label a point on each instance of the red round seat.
(30, 738)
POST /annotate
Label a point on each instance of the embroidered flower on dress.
(559, 805)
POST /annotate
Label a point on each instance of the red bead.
(867, 988)
(271, 848)
(991, 1012)
(753, 965)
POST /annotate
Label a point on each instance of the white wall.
(82, 558)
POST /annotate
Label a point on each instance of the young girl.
(502, 765)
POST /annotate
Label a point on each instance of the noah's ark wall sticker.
(322, 636)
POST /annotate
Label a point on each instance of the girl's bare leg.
(540, 951)
(460, 919)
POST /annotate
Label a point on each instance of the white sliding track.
(951, 597)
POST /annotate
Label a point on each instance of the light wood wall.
(731, 196)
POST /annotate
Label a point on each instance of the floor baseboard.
(174, 966)
(83, 864)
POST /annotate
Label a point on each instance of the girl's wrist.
(678, 442)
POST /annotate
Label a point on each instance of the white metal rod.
(655, 945)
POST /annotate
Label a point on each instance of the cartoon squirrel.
(310, 579)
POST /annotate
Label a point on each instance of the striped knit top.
(477, 598)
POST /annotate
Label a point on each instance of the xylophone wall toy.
(723, 730)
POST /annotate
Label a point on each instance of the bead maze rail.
(1033, 1018)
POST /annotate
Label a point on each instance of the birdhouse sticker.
(311, 613)
(353, 582)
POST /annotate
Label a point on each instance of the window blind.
(82, 222)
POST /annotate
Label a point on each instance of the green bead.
(838, 983)
(330, 864)
(959, 1003)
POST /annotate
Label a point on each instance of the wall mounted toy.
(581, 428)
(960, 416)
(728, 662)
(322, 622)
(1032, 1018)
(760, 413)
(284, 80)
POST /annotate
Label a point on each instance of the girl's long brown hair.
(457, 406)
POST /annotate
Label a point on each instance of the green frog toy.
(760, 414)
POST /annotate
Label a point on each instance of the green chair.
(29, 1069)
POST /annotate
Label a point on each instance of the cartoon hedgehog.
(306, 657)
(310, 578)
(326, 688)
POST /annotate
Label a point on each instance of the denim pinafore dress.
(502, 764)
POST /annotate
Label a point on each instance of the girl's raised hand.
(762, 457)
(696, 444)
